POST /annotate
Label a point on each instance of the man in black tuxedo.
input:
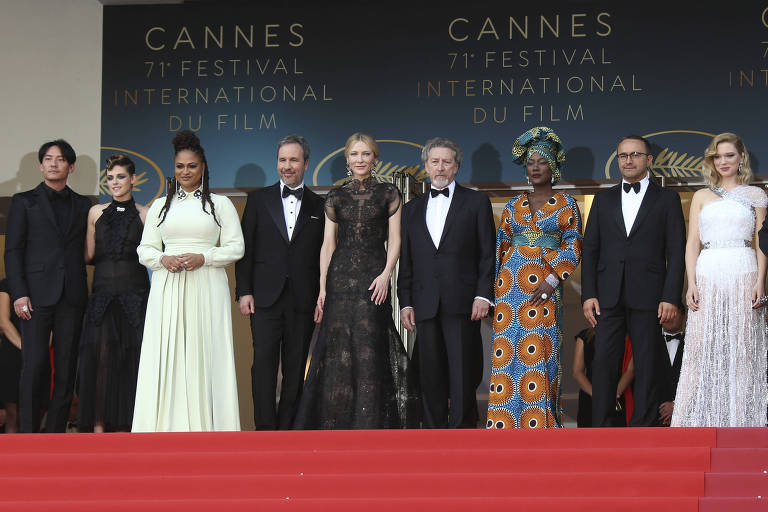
(674, 338)
(278, 280)
(45, 263)
(631, 280)
(445, 286)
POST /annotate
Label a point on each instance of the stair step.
(747, 485)
(453, 504)
(740, 460)
(496, 484)
(247, 462)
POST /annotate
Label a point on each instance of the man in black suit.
(44, 260)
(278, 280)
(631, 280)
(674, 338)
(445, 286)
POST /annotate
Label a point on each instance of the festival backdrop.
(243, 76)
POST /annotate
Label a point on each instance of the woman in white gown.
(186, 378)
(723, 377)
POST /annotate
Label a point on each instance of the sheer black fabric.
(111, 342)
(359, 373)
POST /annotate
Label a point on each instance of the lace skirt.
(723, 376)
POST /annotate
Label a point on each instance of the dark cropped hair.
(187, 140)
(122, 161)
(641, 139)
(295, 139)
(66, 150)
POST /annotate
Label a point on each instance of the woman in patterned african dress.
(538, 246)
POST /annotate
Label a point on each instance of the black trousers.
(448, 349)
(648, 351)
(280, 334)
(64, 320)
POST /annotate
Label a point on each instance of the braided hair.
(183, 140)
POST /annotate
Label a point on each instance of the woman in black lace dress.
(111, 341)
(358, 372)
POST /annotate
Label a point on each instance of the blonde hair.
(708, 171)
(362, 137)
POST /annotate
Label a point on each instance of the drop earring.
(349, 170)
(741, 164)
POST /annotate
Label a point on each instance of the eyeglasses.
(633, 155)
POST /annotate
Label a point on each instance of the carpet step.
(740, 460)
(747, 485)
(338, 462)
(539, 504)
(478, 439)
(733, 504)
(287, 487)
(756, 437)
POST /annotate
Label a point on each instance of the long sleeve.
(244, 267)
(675, 244)
(503, 238)
(591, 253)
(231, 245)
(486, 250)
(405, 270)
(565, 259)
(150, 250)
(15, 249)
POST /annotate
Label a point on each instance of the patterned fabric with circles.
(526, 371)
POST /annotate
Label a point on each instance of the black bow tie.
(434, 192)
(670, 337)
(632, 186)
(298, 192)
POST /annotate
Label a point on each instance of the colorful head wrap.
(545, 142)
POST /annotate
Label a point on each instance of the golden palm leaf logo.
(673, 165)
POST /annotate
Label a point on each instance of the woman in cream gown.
(186, 378)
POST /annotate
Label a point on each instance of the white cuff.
(552, 280)
(486, 300)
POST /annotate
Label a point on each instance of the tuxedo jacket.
(674, 370)
(271, 259)
(42, 260)
(649, 260)
(447, 277)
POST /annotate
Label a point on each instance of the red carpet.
(571, 469)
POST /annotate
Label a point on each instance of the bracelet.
(552, 280)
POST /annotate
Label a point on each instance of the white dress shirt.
(630, 202)
(291, 207)
(437, 211)
(672, 345)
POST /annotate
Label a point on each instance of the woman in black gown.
(358, 372)
(114, 321)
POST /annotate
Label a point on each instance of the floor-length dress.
(187, 369)
(358, 372)
(526, 371)
(114, 321)
(723, 375)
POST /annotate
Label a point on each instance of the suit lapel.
(617, 212)
(645, 206)
(45, 206)
(453, 210)
(422, 221)
(274, 205)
